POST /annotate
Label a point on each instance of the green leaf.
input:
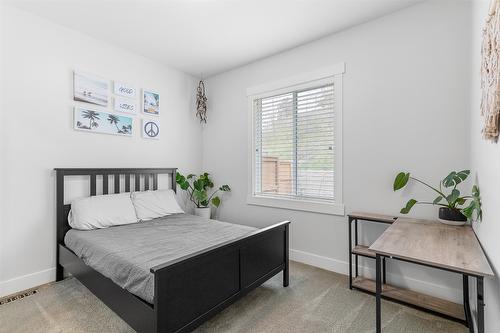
(449, 181)
(200, 195)
(463, 174)
(179, 178)
(216, 201)
(225, 188)
(401, 180)
(461, 201)
(475, 192)
(204, 203)
(474, 205)
(190, 176)
(184, 185)
(408, 206)
(455, 178)
(198, 184)
(437, 200)
(452, 198)
(469, 210)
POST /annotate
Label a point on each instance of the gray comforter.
(126, 253)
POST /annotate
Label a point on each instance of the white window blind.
(294, 144)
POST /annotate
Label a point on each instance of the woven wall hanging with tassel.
(201, 102)
(490, 73)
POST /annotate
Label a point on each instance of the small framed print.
(150, 129)
(151, 103)
(123, 89)
(125, 105)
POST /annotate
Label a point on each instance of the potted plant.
(454, 208)
(197, 188)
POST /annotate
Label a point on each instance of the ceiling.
(206, 37)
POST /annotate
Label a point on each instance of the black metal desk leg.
(350, 252)
(480, 304)
(378, 294)
(356, 244)
(384, 271)
(467, 311)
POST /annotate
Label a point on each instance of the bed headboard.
(149, 176)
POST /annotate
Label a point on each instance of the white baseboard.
(342, 267)
(312, 259)
(38, 278)
(28, 281)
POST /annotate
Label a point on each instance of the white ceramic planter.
(202, 212)
(448, 222)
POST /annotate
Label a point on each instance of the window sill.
(302, 205)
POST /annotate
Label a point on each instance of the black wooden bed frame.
(188, 290)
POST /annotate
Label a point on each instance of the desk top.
(373, 217)
(435, 244)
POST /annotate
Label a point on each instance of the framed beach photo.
(90, 89)
(123, 89)
(125, 105)
(150, 129)
(150, 103)
(102, 122)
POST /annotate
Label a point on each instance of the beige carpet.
(315, 301)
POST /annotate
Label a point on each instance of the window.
(295, 147)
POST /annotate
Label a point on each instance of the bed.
(170, 274)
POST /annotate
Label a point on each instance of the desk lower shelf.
(413, 298)
(363, 250)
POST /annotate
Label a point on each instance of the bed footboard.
(191, 289)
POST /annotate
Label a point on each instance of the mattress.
(126, 253)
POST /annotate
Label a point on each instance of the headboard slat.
(155, 181)
(117, 182)
(127, 182)
(105, 184)
(146, 182)
(137, 181)
(93, 182)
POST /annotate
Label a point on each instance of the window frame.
(332, 74)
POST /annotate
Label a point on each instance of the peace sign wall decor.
(150, 129)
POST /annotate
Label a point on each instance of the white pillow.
(102, 211)
(152, 204)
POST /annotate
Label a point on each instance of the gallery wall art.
(102, 122)
(90, 89)
(151, 103)
(122, 99)
(150, 129)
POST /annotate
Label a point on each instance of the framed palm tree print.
(102, 122)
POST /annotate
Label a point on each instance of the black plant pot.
(451, 214)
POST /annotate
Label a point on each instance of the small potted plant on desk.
(454, 209)
(197, 188)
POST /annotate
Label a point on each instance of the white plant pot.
(448, 222)
(202, 212)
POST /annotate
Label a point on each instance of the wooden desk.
(433, 244)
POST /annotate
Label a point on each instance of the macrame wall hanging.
(201, 102)
(490, 73)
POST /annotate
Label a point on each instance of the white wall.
(405, 96)
(36, 136)
(485, 157)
